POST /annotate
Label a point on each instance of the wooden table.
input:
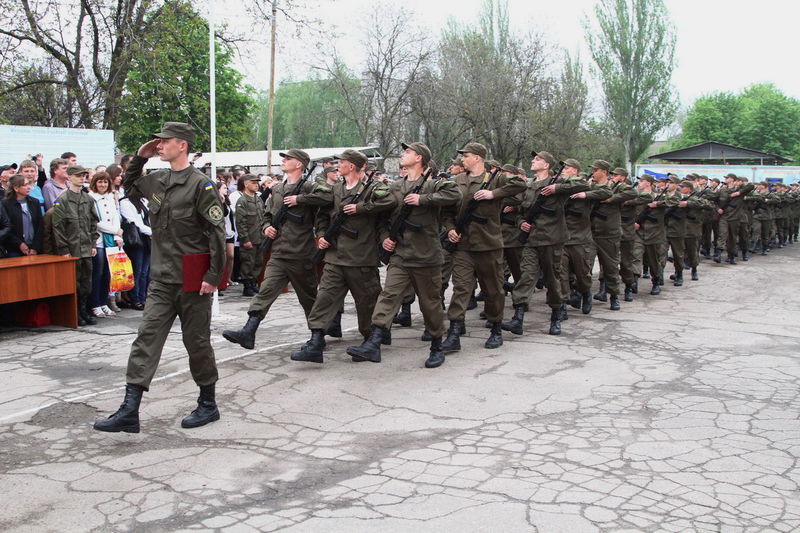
(42, 277)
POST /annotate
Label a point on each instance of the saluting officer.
(187, 221)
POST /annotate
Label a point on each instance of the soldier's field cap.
(511, 169)
(76, 170)
(492, 163)
(602, 165)
(353, 156)
(421, 149)
(730, 175)
(300, 155)
(674, 179)
(743, 179)
(687, 184)
(176, 130)
(574, 163)
(647, 177)
(764, 184)
(457, 161)
(715, 180)
(474, 148)
(250, 177)
(547, 156)
(619, 171)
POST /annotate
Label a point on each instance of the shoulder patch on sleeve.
(208, 187)
(215, 212)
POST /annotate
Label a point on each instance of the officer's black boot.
(87, 315)
(656, 287)
(555, 322)
(586, 302)
(387, 337)
(645, 272)
(403, 318)
(600, 295)
(453, 343)
(614, 306)
(436, 357)
(732, 258)
(370, 349)
(206, 411)
(764, 248)
(515, 324)
(678, 278)
(695, 277)
(245, 337)
(127, 416)
(473, 303)
(81, 315)
(563, 312)
(249, 288)
(635, 285)
(745, 255)
(335, 327)
(311, 352)
(717, 255)
(495, 339)
(628, 296)
(508, 286)
(426, 336)
(540, 281)
(574, 299)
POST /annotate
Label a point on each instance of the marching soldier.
(512, 247)
(578, 257)
(292, 246)
(627, 257)
(249, 220)
(650, 226)
(545, 242)
(415, 259)
(351, 261)
(730, 209)
(479, 249)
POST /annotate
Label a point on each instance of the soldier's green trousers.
(627, 261)
(488, 268)
(364, 284)
(513, 257)
(165, 301)
(728, 234)
(692, 246)
(638, 255)
(678, 251)
(652, 256)
(250, 262)
(608, 257)
(300, 273)
(447, 270)
(83, 275)
(577, 259)
(548, 260)
(425, 282)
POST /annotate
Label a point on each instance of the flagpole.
(212, 91)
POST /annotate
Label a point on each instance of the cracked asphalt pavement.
(678, 413)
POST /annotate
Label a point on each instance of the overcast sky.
(723, 45)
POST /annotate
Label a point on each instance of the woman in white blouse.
(110, 235)
(134, 210)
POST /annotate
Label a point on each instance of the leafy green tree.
(633, 47)
(169, 80)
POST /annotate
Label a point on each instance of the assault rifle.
(645, 215)
(401, 222)
(538, 206)
(284, 214)
(337, 224)
(468, 215)
(597, 205)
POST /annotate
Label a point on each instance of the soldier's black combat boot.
(540, 281)
(764, 248)
(718, 255)
(745, 255)
(732, 259)
(614, 306)
(645, 272)
(574, 299)
(250, 288)
(245, 337)
(206, 411)
(311, 352)
(436, 357)
(635, 284)
(426, 336)
(480, 297)
(678, 279)
(453, 341)
(555, 322)
(628, 296)
(403, 318)
(508, 286)
(586, 302)
(88, 317)
(562, 312)
(127, 416)
(495, 339)
(656, 287)
(81, 315)
(335, 327)
(695, 277)
(600, 295)
(370, 349)
(515, 324)
(473, 303)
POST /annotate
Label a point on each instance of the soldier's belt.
(480, 219)
(349, 232)
(573, 212)
(413, 226)
(294, 217)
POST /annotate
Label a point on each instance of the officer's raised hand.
(149, 149)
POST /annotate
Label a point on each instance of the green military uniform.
(545, 244)
(417, 260)
(731, 217)
(187, 218)
(480, 251)
(292, 249)
(695, 213)
(512, 248)
(578, 257)
(652, 231)
(249, 223)
(75, 233)
(627, 244)
(762, 217)
(675, 222)
(607, 228)
(352, 263)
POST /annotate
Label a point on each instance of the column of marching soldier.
(483, 224)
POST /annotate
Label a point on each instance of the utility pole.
(271, 86)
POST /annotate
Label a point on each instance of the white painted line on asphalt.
(90, 395)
